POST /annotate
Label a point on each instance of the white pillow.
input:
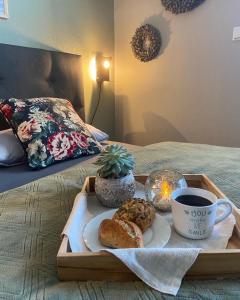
(11, 151)
(99, 135)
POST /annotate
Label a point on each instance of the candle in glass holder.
(160, 185)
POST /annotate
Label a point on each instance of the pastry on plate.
(120, 234)
(138, 211)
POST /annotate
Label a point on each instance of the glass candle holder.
(160, 185)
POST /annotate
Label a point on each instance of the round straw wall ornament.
(146, 43)
(181, 6)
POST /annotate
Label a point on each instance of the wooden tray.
(105, 266)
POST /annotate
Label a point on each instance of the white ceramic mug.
(197, 222)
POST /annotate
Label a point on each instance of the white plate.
(156, 236)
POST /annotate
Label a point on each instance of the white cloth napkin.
(162, 269)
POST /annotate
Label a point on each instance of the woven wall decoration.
(146, 43)
(181, 6)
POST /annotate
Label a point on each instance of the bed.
(33, 215)
(12, 177)
(27, 73)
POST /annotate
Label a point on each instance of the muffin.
(138, 211)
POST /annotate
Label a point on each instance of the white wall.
(191, 92)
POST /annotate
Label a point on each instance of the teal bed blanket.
(33, 216)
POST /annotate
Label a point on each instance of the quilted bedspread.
(33, 216)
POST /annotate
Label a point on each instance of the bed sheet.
(33, 216)
(12, 177)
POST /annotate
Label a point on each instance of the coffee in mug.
(195, 212)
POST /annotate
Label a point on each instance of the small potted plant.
(114, 181)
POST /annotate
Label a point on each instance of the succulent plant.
(116, 162)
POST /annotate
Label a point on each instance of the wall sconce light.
(100, 72)
(103, 65)
(100, 68)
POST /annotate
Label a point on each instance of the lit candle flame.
(166, 190)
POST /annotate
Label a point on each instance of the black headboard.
(28, 72)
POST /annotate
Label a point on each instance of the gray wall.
(191, 92)
(75, 26)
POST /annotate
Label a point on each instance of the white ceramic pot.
(113, 192)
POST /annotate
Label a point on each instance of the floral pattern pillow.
(49, 129)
